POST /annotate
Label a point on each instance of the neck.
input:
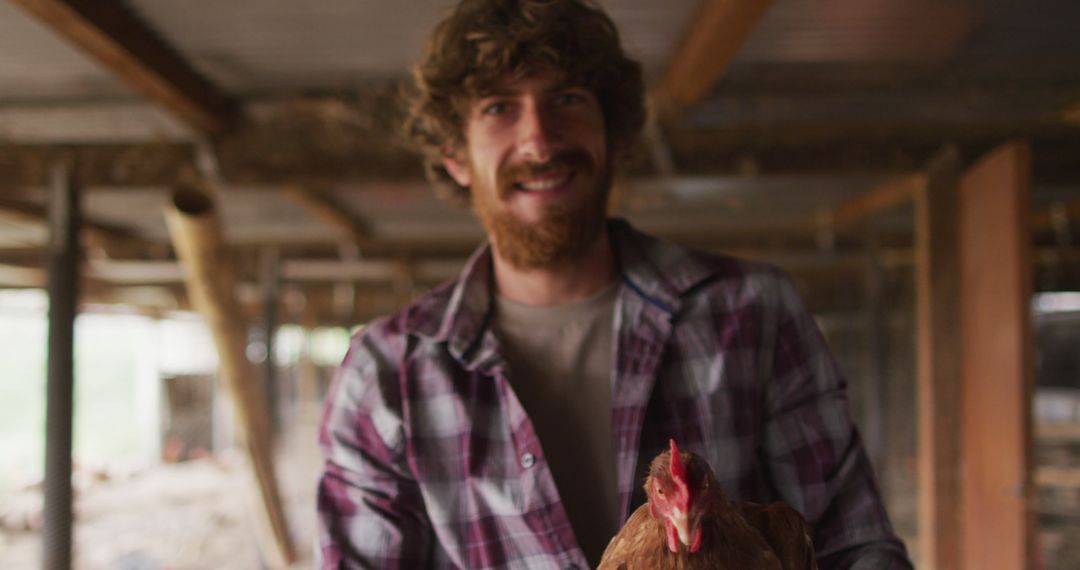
(563, 282)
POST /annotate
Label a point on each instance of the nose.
(537, 139)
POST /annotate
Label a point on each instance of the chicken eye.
(660, 491)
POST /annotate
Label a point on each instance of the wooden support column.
(995, 285)
(938, 365)
(196, 235)
(873, 381)
(308, 375)
(59, 410)
(271, 281)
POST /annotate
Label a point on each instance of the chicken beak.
(682, 528)
(688, 531)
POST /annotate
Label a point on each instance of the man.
(505, 419)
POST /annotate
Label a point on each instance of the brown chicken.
(688, 523)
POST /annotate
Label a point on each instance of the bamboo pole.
(196, 235)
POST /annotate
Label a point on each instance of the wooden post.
(271, 278)
(873, 381)
(938, 365)
(996, 283)
(63, 295)
(196, 235)
(308, 381)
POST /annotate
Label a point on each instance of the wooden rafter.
(111, 33)
(18, 276)
(1047, 218)
(719, 30)
(106, 235)
(326, 208)
(892, 194)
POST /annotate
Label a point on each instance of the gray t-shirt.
(560, 368)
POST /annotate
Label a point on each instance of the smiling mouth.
(545, 184)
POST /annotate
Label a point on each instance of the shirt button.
(528, 460)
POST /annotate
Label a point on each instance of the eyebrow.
(504, 91)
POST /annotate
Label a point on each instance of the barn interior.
(218, 192)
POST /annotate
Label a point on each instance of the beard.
(567, 227)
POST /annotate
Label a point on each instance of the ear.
(457, 166)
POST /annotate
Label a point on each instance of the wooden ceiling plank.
(718, 31)
(892, 194)
(112, 34)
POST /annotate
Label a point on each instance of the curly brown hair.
(484, 41)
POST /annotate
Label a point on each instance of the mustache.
(570, 159)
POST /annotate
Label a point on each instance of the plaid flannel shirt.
(431, 461)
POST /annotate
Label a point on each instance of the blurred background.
(913, 164)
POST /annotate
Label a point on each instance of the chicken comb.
(678, 470)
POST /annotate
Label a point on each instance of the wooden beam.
(998, 361)
(938, 366)
(272, 155)
(18, 276)
(377, 271)
(92, 123)
(890, 195)
(934, 110)
(162, 164)
(324, 207)
(1047, 218)
(718, 31)
(1071, 113)
(136, 272)
(873, 386)
(63, 273)
(114, 35)
(197, 236)
(270, 287)
(108, 236)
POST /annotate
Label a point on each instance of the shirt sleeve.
(370, 510)
(812, 448)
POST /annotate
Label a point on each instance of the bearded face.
(565, 227)
(537, 164)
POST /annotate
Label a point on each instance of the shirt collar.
(658, 271)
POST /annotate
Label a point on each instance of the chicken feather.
(689, 524)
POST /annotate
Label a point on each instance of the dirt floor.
(185, 516)
(196, 515)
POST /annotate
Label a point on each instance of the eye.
(569, 98)
(496, 108)
(660, 491)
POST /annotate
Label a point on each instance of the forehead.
(539, 80)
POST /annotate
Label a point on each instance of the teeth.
(542, 185)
